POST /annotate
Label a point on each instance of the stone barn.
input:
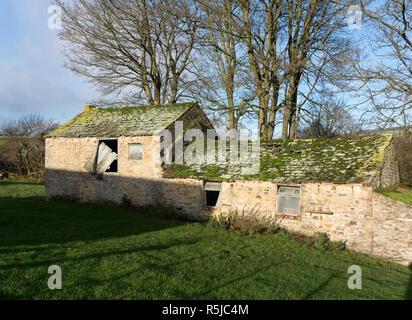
(308, 186)
(104, 154)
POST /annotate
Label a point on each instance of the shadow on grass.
(33, 223)
(110, 253)
(4, 295)
(322, 286)
(26, 219)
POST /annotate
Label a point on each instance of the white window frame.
(141, 150)
(280, 195)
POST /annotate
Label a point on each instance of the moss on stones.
(336, 160)
(127, 121)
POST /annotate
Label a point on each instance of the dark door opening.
(212, 198)
(112, 144)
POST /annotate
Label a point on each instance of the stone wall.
(184, 195)
(66, 176)
(368, 222)
(249, 196)
(388, 174)
(342, 211)
(392, 229)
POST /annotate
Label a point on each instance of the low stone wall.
(392, 229)
(249, 196)
(86, 188)
(184, 195)
(369, 222)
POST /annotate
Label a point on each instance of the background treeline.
(278, 64)
(22, 146)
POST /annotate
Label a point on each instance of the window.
(288, 200)
(135, 151)
(212, 195)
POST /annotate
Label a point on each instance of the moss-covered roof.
(337, 160)
(128, 121)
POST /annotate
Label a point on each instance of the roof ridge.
(149, 106)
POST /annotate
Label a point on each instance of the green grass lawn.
(114, 253)
(391, 192)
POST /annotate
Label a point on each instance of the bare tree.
(292, 46)
(222, 76)
(258, 27)
(29, 125)
(141, 48)
(23, 150)
(240, 57)
(386, 75)
(327, 118)
(315, 47)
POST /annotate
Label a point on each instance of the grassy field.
(391, 192)
(114, 253)
(2, 140)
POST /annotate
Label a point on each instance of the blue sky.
(32, 75)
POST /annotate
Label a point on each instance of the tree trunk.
(272, 112)
(157, 93)
(263, 113)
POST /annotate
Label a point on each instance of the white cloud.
(22, 89)
(32, 76)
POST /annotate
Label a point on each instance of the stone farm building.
(308, 186)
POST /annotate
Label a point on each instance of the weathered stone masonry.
(369, 222)
(66, 175)
(345, 207)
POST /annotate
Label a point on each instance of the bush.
(321, 241)
(256, 223)
(247, 222)
(22, 155)
(22, 150)
(126, 202)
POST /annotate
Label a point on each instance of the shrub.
(337, 245)
(126, 202)
(252, 222)
(321, 241)
(256, 223)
